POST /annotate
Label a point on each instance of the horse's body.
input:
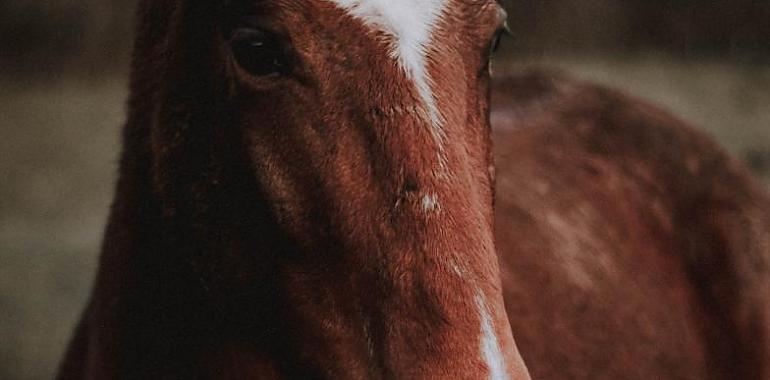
(297, 199)
(630, 245)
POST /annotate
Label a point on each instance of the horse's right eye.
(261, 52)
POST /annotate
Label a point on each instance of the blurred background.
(63, 78)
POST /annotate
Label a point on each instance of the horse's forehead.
(413, 22)
(404, 19)
(410, 24)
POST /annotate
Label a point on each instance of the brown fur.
(273, 228)
(630, 243)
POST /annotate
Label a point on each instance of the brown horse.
(306, 191)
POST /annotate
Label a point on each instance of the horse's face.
(366, 126)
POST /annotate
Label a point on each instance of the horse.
(307, 189)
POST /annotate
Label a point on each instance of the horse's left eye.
(260, 52)
(495, 44)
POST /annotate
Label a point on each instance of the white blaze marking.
(410, 23)
(490, 346)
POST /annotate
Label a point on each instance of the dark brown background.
(62, 89)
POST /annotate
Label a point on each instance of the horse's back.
(630, 245)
